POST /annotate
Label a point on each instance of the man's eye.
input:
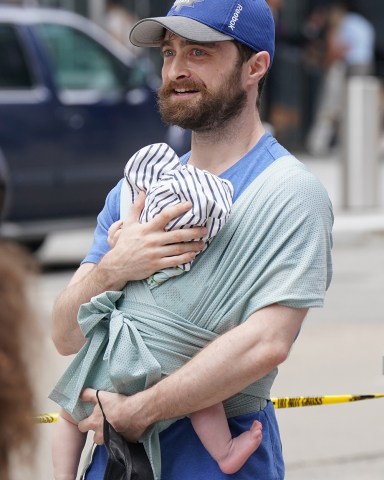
(198, 53)
(167, 53)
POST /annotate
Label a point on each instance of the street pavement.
(340, 350)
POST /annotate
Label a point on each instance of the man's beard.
(210, 111)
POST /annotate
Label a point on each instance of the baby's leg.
(211, 426)
(68, 443)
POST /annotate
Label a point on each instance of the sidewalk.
(329, 170)
(340, 351)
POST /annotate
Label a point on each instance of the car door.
(105, 112)
(26, 124)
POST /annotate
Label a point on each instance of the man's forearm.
(88, 281)
(225, 367)
(222, 369)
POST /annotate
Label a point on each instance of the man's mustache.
(172, 86)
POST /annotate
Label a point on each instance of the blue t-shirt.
(241, 175)
(183, 456)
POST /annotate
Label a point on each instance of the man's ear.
(258, 66)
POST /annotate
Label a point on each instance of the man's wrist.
(137, 413)
(149, 411)
(106, 275)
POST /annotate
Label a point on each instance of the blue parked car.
(74, 106)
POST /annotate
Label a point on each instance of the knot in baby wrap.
(131, 346)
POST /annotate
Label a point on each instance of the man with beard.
(236, 314)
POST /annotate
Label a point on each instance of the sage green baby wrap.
(275, 248)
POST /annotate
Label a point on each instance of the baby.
(157, 170)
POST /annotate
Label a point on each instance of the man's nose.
(178, 68)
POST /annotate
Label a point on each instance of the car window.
(79, 62)
(14, 71)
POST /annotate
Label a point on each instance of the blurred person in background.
(314, 33)
(17, 329)
(281, 111)
(350, 51)
(273, 108)
(118, 22)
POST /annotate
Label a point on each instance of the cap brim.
(150, 31)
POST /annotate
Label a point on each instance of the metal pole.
(68, 5)
(142, 8)
(360, 143)
(96, 11)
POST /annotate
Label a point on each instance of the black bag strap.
(126, 460)
(100, 405)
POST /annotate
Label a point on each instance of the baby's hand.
(114, 233)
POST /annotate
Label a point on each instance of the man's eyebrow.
(167, 43)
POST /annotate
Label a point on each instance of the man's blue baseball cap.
(248, 21)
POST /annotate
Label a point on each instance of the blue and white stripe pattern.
(147, 165)
(157, 170)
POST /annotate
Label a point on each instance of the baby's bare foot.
(241, 448)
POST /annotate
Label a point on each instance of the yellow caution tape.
(289, 402)
(47, 418)
(284, 402)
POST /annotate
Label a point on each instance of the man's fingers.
(115, 227)
(88, 395)
(93, 423)
(170, 262)
(181, 248)
(190, 235)
(95, 420)
(113, 232)
(98, 438)
(163, 219)
(137, 208)
(168, 214)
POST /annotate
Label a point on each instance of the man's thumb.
(137, 207)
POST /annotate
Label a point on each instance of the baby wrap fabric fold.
(156, 170)
(277, 255)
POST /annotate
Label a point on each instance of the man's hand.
(114, 232)
(120, 412)
(145, 248)
(139, 251)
